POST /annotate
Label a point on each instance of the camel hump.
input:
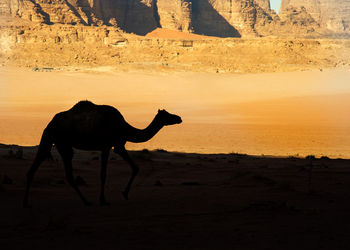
(83, 105)
(88, 108)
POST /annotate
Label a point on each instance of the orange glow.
(280, 113)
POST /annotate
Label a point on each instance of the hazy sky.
(275, 4)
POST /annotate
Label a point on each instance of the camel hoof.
(125, 195)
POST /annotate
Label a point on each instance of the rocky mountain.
(332, 15)
(265, 4)
(222, 18)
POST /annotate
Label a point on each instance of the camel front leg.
(66, 153)
(124, 154)
(104, 159)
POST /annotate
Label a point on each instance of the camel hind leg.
(42, 154)
(134, 168)
(66, 153)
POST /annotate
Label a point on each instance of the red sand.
(173, 34)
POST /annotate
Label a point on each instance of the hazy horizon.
(250, 113)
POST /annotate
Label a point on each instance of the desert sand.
(281, 114)
(178, 201)
(173, 34)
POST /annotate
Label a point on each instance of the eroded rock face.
(222, 18)
(24, 9)
(175, 15)
(216, 18)
(75, 47)
(333, 15)
(210, 17)
(229, 18)
(264, 4)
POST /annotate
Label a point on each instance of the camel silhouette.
(88, 126)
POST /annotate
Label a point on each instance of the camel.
(88, 126)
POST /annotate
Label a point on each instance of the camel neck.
(143, 135)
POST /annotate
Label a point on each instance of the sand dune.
(173, 34)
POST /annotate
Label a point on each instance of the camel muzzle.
(177, 120)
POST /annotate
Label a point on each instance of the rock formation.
(264, 4)
(210, 17)
(331, 15)
(175, 15)
(222, 18)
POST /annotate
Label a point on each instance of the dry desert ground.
(178, 201)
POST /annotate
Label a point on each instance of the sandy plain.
(281, 114)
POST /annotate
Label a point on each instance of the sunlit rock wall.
(175, 15)
(264, 4)
(333, 15)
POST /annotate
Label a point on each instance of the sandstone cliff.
(175, 15)
(265, 4)
(331, 15)
(225, 18)
(222, 18)
(81, 47)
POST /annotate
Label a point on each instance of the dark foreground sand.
(178, 201)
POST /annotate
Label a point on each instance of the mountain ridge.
(221, 18)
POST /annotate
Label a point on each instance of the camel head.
(168, 119)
